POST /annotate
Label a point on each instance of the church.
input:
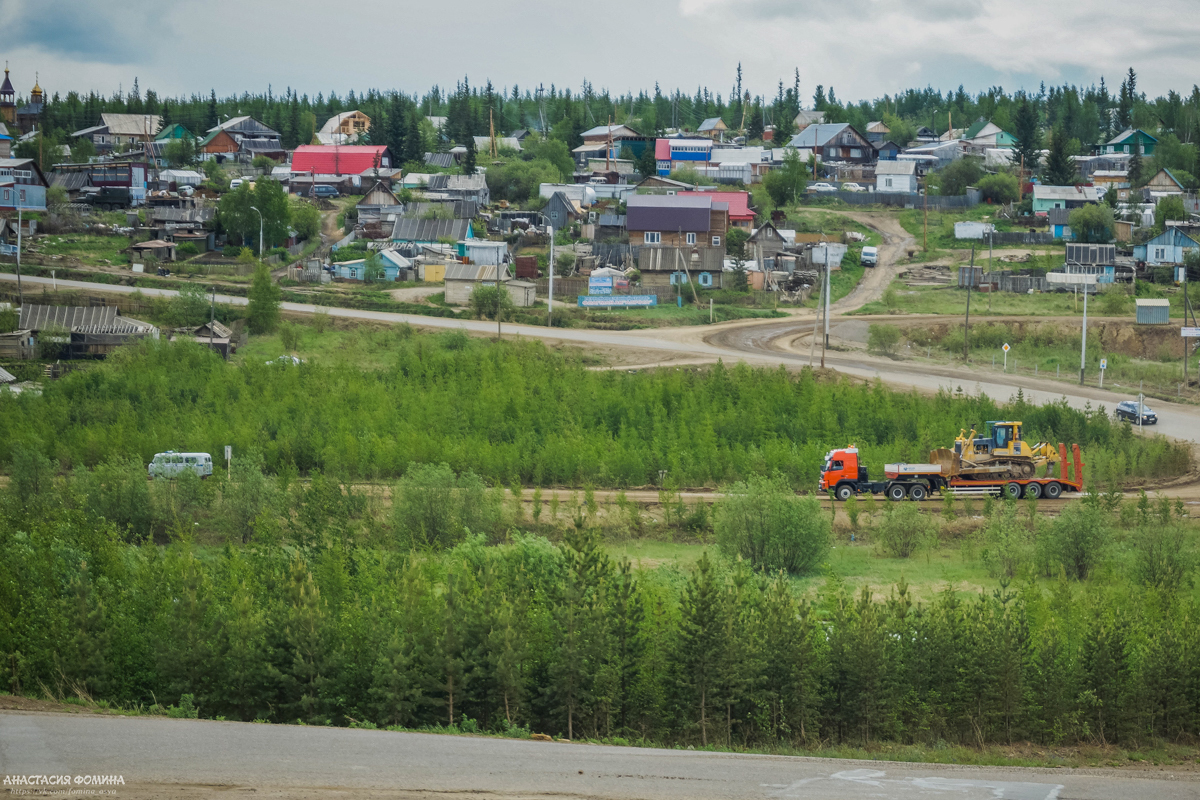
(24, 119)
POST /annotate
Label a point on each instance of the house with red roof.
(740, 215)
(340, 159)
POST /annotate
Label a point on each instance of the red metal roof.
(338, 159)
(739, 202)
(662, 149)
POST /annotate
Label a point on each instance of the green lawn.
(364, 347)
(89, 248)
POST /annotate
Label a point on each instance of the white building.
(896, 177)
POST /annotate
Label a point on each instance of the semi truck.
(845, 476)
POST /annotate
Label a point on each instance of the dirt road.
(158, 757)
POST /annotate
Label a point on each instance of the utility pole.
(826, 344)
(925, 232)
(608, 147)
(492, 129)
(20, 292)
(260, 232)
(967, 326)
(1083, 350)
(550, 300)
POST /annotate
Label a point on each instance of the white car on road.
(852, 187)
(821, 187)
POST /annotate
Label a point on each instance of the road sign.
(1190, 333)
(1104, 363)
(228, 452)
(1005, 348)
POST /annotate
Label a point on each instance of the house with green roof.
(1130, 140)
(985, 133)
(174, 131)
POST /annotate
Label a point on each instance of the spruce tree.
(701, 643)
(468, 164)
(1059, 169)
(413, 149)
(83, 661)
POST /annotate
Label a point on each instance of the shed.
(523, 293)
(480, 251)
(157, 248)
(18, 345)
(461, 280)
(1153, 312)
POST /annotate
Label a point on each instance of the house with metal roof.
(985, 133)
(896, 176)
(740, 213)
(713, 128)
(85, 332)
(1048, 197)
(344, 128)
(1169, 248)
(462, 279)
(431, 231)
(806, 118)
(340, 160)
(682, 220)
(671, 154)
(462, 187)
(22, 185)
(835, 142)
(1130, 141)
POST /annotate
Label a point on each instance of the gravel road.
(153, 754)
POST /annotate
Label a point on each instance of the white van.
(234, 184)
(870, 257)
(171, 464)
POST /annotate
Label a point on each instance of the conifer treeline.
(519, 413)
(1088, 114)
(560, 639)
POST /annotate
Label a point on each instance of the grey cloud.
(107, 34)
(851, 10)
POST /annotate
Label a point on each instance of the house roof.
(611, 220)
(976, 127)
(484, 143)
(337, 159)
(713, 124)
(245, 125)
(153, 244)
(459, 209)
(1084, 193)
(131, 124)
(175, 130)
(1167, 172)
(767, 231)
(262, 145)
(36, 318)
(1128, 132)
(738, 202)
(7, 377)
(71, 181)
(442, 160)
(662, 149)
(896, 168)
(682, 212)
(333, 123)
(877, 126)
(461, 182)
(409, 229)
(817, 135)
(809, 117)
(606, 130)
(7, 87)
(474, 272)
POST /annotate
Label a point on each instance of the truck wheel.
(1053, 490)
(1033, 491)
(844, 492)
(896, 492)
(917, 493)
(1012, 490)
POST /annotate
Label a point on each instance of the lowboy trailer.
(845, 476)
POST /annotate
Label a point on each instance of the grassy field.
(90, 249)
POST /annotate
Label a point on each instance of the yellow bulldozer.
(1001, 454)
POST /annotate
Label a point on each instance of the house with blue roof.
(1167, 249)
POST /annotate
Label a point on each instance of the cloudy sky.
(863, 48)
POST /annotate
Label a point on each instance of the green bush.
(187, 249)
(904, 530)
(762, 521)
(433, 507)
(1075, 542)
(883, 339)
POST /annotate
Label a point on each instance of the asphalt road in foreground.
(154, 750)
(754, 342)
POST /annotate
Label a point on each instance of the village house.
(713, 128)
(1163, 184)
(896, 176)
(344, 128)
(1169, 248)
(83, 332)
(339, 160)
(1130, 141)
(740, 214)
(877, 132)
(671, 154)
(430, 231)
(1048, 197)
(121, 131)
(561, 211)
(806, 118)
(683, 220)
(835, 142)
(22, 185)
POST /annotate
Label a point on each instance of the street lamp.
(260, 231)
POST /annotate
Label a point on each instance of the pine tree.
(468, 164)
(248, 690)
(185, 657)
(1105, 667)
(395, 127)
(701, 641)
(1025, 128)
(1059, 169)
(212, 120)
(84, 658)
(307, 658)
(413, 149)
(264, 296)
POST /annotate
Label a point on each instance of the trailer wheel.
(896, 492)
(1012, 490)
(844, 492)
(1053, 490)
(917, 493)
(1033, 491)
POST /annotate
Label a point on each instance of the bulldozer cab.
(1005, 438)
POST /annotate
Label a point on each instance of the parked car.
(171, 464)
(852, 187)
(235, 184)
(323, 191)
(821, 187)
(1128, 409)
(869, 257)
(107, 198)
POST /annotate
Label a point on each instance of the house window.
(651, 237)
(887, 182)
(691, 238)
(353, 272)
(716, 240)
(855, 152)
(1160, 254)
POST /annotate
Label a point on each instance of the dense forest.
(527, 635)
(1085, 114)
(517, 412)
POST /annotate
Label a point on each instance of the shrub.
(761, 520)
(1162, 556)
(904, 530)
(883, 339)
(187, 249)
(999, 188)
(1075, 541)
(231, 251)
(289, 335)
(435, 508)
(1006, 542)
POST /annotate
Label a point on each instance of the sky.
(863, 48)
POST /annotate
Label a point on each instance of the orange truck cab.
(840, 466)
